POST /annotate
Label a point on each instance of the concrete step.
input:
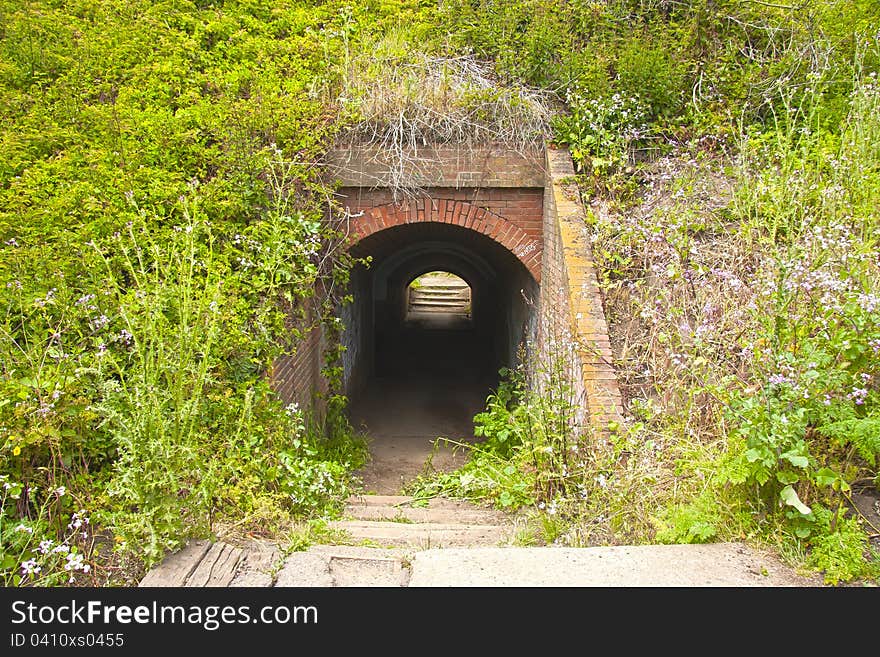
(442, 291)
(433, 307)
(408, 500)
(340, 565)
(440, 294)
(398, 520)
(434, 289)
(444, 283)
(425, 535)
(409, 514)
(439, 302)
(437, 299)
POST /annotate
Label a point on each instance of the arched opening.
(437, 300)
(413, 375)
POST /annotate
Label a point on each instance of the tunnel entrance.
(437, 313)
(438, 299)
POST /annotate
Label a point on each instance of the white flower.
(24, 528)
(74, 562)
(30, 567)
(45, 546)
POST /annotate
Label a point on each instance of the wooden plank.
(217, 567)
(176, 568)
(257, 565)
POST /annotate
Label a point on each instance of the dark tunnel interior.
(429, 377)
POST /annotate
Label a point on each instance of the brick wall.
(437, 166)
(297, 377)
(528, 206)
(512, 217)
(572, 323)
(523, 207)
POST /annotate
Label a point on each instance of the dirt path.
(432, 378)
(404, 417)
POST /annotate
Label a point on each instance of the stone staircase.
(389, 531)
(382, 534)
(395, 521)
(441, 295)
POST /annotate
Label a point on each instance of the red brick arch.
(459, 213)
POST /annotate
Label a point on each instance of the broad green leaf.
(797, 460)
(826, 477)
(790, 497)
(753, 454)
(787, 477)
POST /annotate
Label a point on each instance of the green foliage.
(163, 241)
(754, 356)
(655, 75)
(839, 549)
(50, 544)
(485, 477)
(692, 522)
(496, 470)
(501, 423)
(136, 328)
(600, 133)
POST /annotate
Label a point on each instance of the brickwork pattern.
(535, 212)
(572, 310)
(513, 218)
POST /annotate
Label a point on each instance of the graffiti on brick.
(525, 249)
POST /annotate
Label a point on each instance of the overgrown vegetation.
(729, 154)
(164, 241)
(165, 238)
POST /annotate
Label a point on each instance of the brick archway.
(526, 248)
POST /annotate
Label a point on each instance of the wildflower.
(30, 567)
(60, 491)
(78, 519)
(24, 528)
(858, 395)
(125, 336)
(74, 561)
(61, 549)
(778, 379)
(45, 409)
(45, 546)
(869, 302)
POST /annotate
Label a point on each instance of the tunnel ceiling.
(439, 245)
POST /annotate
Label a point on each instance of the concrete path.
(394, 542)
(717, 564)
(711, 565)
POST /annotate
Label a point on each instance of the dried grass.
(400, 104)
